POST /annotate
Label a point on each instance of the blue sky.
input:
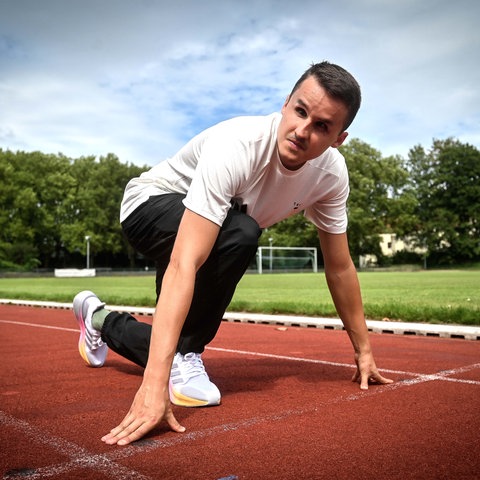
(139, 78)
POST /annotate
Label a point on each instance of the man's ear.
(286, 103)
(340, 139)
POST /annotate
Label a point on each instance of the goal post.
(286, 259)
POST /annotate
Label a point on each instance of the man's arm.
(344, 287)
(195, 239)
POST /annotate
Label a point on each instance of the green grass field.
(450, 296)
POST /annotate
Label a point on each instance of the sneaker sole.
(183, 401)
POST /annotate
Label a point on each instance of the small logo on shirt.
(296, 205)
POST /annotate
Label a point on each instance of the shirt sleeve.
(330, 214)
(219, 175)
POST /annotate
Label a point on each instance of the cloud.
(138, 79)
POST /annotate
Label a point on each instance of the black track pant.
(151, 229)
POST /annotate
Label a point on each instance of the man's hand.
(367, 371)
(150, 407)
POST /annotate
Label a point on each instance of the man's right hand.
(150, 407)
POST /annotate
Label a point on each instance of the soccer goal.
(286, 259)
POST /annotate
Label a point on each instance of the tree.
(49, 203)
(379, 201)
(33, 185)
(446, 180)
(93, 205)
(295, 231)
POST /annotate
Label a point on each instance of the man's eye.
(301, 112)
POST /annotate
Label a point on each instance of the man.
(199, 216)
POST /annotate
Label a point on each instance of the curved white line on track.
(79, 457)
(40, 326)
(425, 377)
(442, 376)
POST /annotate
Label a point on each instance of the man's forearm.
(345, 290)
(168, 319)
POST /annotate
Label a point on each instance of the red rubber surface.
(289, 410)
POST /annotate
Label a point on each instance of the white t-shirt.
(237, 160)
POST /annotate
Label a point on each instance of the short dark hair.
(338, 83)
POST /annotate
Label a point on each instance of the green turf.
(450, 296)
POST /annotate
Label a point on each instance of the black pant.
(151, 229)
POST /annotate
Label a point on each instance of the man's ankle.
(98, 318)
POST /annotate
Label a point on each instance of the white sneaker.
(189, 384)
(90, 344)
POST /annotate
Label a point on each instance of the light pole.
(87, 239)
(270, 240)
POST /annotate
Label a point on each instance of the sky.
(139, 78)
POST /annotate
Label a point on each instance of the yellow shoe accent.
(81, 349)
(184, 401)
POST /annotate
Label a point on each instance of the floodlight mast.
(87, 239)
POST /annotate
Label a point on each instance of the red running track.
(289, 410)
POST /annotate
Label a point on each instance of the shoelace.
(98, 342)
(192, 365)
(94, 339)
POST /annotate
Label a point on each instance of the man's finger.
(129, 434)
(114, 432)
(137, 434)
(173, 423)
(364, 382)
(383, 380)
(124, 430)
(375, 378)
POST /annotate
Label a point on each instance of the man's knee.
(240, 232)
(250, 231)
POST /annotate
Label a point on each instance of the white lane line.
(106, 462)
(79, 456)
(150, 445)
(270, 355)
(440, 376)
(147, 445)
(40, 326)
(398, 328)
(280, 357)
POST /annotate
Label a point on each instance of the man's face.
(311, 122)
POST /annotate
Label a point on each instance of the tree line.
(51, 203)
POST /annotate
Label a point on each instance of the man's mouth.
(299, 145)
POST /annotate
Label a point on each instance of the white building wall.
(391, 244)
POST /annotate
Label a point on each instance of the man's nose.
(302, 130)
